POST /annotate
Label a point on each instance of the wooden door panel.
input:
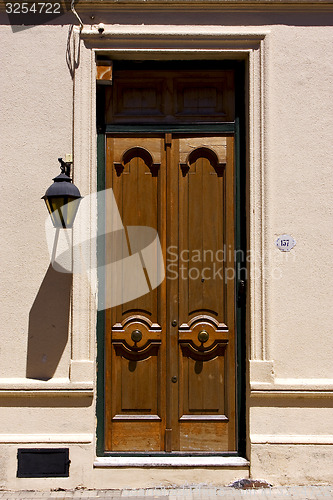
(135, 395)
(135, 351)
(206, 318)
(203, 369)
(201, 229)
(170, 354)
(203, 397)
(203, 436)
(170, 97)
(136, 438)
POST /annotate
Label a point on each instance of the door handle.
(136, 336)
(203, 336)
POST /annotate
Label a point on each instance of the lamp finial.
(65, 166)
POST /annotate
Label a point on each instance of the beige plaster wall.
(292, 463)
(289, 157)
(299, 189)
(36, 129)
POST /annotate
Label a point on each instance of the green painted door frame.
(236, 128)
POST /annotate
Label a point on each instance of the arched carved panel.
(132, 154)
(136, 185)
(190, 350)
(136, 353)
(214, 332)
(202, 231)
(136, 338)
(197, 154)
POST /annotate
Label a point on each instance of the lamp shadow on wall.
(49, 325)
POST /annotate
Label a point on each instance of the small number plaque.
(285, 243)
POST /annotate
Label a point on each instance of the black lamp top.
(62, 185)
(62, 178)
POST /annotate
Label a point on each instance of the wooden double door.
(170, 354)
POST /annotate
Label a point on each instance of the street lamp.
(62, 198)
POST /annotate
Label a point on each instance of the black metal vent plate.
(43, 462)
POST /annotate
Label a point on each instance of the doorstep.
(197, 461)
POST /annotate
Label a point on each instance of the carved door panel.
(206, 407)
(170, 368)
(135, 329)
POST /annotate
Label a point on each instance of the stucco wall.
(291, 156)
(36, 129)
(299, 160)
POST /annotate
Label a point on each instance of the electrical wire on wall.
(76, 14)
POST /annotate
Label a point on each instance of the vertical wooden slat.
(108, 319)
(230, 289)
(172, 304)
(206, 232)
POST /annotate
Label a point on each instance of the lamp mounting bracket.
(65, 166)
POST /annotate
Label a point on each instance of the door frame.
(237, 129)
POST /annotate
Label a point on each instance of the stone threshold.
(197, 461)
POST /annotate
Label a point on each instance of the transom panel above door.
(170, 353)
(166, 96)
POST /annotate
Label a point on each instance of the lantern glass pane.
(62, 210)
(71, 210)
(56, 204)
(50, 211)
